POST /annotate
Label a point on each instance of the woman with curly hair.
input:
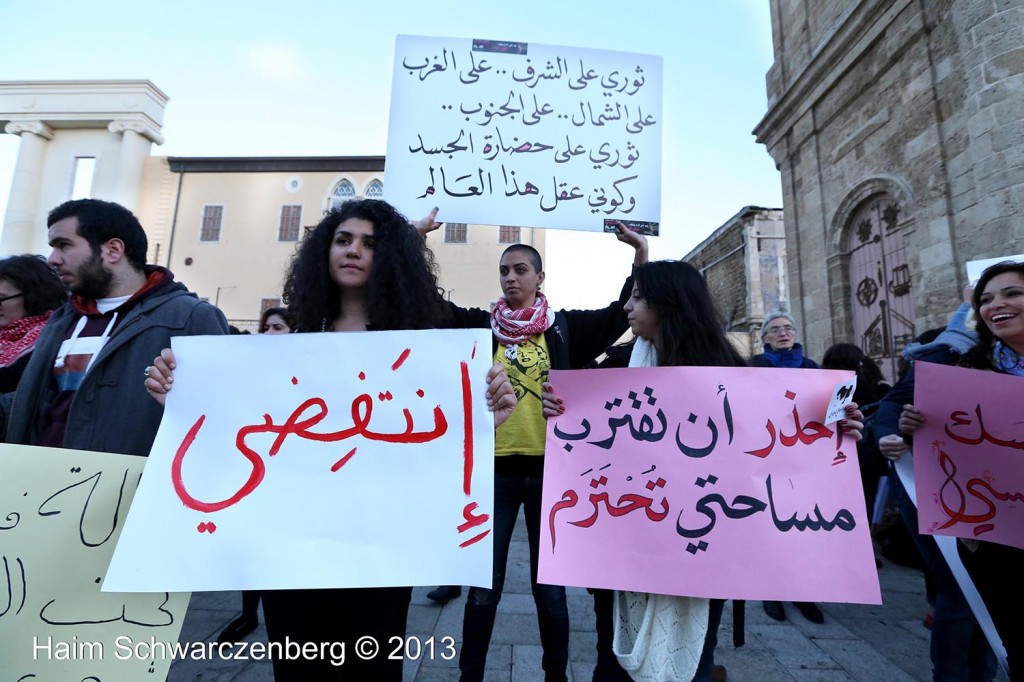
(337, 293)
(364, 267)
(276, 321)
(995, 569)
(29, 291)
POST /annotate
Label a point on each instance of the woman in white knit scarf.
(675, 322)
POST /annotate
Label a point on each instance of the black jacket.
(575, 339)
(111, 411)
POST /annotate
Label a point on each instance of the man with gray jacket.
(83, 387)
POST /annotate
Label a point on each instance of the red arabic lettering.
(255, 477)
(401, 358)
(806, 434)
(767, 450)
(959, 418)
(955, 509)
(472, 521)
(568, 501)
(295, 424)
(343, 461)
(626, 504)
(467, 428)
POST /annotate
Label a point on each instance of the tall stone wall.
(723, 263)
(743, 263)
(919, 101)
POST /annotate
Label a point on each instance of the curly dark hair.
(41, 289)
(402, 292)
(100, 221)
(690, 329)
(980, 356)
(283, 313)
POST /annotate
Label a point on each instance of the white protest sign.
(976, 267)
(842, 395)
(513, 133)
(317, 460)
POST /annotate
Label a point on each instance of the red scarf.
(516, 326)
(19, 337)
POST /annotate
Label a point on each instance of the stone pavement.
(886, 643)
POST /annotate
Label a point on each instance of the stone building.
(78, 138)
(744, 264)
(896, 125)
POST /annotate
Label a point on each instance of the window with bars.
(455, 233)
(508, 234)
(268, 303)
(342, 193)
(375, 190)
(213, 216)
(291, 222)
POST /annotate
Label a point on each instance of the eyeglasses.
(778, 330)
(8, 298)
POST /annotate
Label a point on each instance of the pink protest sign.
(969, 455)
(704, 482)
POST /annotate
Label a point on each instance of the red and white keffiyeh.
(19, 337)
(516, 326)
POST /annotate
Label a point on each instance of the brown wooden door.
(880, 284)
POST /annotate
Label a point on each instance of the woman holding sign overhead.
(995, 569)
(673, 317)
(362, 268)
(530, 339)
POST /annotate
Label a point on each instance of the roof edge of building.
(265, 164)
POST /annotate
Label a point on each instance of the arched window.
(342, 193)
(375, 190)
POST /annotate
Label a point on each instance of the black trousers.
(996, 572)
(327, 624)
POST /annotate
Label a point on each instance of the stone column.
(21, 222)
(136, 138)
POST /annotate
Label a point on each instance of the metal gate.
(880, 283)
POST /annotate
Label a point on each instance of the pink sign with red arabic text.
(969, 455)
(704, 482)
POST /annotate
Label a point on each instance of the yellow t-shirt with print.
(527, 365)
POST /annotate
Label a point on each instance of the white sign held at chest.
(317, 460)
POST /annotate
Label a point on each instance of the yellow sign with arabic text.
(61, 512)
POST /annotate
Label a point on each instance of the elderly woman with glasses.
(778, 334)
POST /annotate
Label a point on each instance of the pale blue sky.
(312, 77)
